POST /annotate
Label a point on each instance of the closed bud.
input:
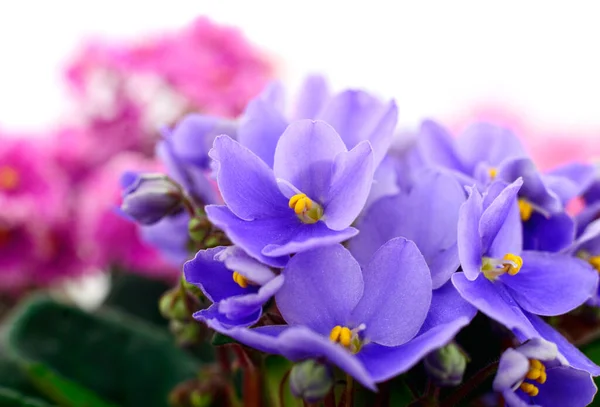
(150, 197)
(446, 366)
(311, 380)
(178, 304)
(187, 333)
(199, 227)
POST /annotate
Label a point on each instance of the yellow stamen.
(295, 199)
(493, 172)
(537, 371)
(341, 334)
(536, 364)
(240, 279)
(530, 389)
(9, 178)
(511, 268)
(345, 337)
(526, 210)
(307, 210)
(542, 378)
(335, 333)
(595, 262)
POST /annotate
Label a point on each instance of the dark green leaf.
(12, 398)
(137, 296)
(124, 360)
(62, 391)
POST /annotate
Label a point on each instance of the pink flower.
(214, 68)
(28, 173)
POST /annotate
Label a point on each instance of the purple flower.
(182, 152)
(499, 278)
(237, 284)
(356, 116)
(315, 191)
(373, 323)
(485, 153)
(533, 375)
(436, 198)
(587, 247)
(542, 200)
(480, 148)
(194, 135)
(171, 237)
(591, 197)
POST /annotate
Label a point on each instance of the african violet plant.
(438, 271)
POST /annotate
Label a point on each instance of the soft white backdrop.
(437, 58)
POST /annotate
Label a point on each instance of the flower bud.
(311, 380)
(199, 227)
(446, 366)
(187, 333)
(178, 304)
(151, 197)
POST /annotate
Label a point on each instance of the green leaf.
(138, 296)
(12, 398)
(13, 377)
(122, 359)
(62, 391)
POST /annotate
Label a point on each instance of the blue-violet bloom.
(310, 198)
(532, 375)
(237, 284)
(373, 323)
(499, 278)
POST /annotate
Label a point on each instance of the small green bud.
(311, 380)
(186, 333)
(198, 228)
(446, 366)
(178, 304)
(198, 399)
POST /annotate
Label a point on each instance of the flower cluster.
(58, 196)
(321, 235)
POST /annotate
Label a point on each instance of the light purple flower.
(499, 278)
(356, 116)
(310, 198)
(427, 214)
(532, 375)
(374, 323)
(237, 284)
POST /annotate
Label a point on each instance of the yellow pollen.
(307, 210)
(510, 268)
(526, 210)
(240, 279)
(595, 262)
(530, 389)
(537, 371)
(300, 203)
(342, 335)
(493, 172)
(9, 178)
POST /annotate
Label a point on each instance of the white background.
(438, 59)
